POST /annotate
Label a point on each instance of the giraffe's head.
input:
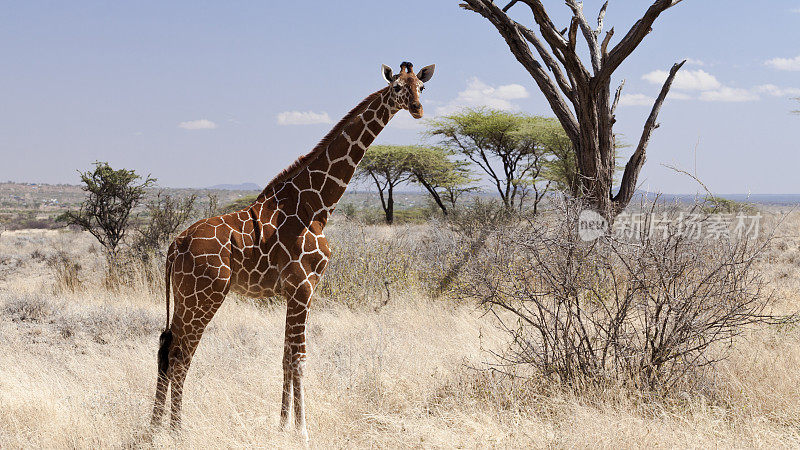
(406, 86)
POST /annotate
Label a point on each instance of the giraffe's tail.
(165, 340)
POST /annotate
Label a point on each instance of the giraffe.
(275, 246)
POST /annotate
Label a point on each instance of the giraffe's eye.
(397, 87)
(422, 88)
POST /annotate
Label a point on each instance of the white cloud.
(302, 118)
(479, 94)
(775, 91)
(646, 100)
(475, 95)
(711, 90)
(636, 100)
(201, 124)
(728, 94)
(796, 10)
(790, 64)
(695, 62)
(686, 80)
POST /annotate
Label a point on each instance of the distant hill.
(236, 187)
(759, 199)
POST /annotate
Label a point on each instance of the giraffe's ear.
(387, 73)
(426, 73)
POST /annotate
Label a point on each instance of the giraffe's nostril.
(415, 106)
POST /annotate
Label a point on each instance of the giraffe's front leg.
(295, 349)
(299, 393)
(286, 396)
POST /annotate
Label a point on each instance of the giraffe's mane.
(303, 161)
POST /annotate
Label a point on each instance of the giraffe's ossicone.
(275, 246)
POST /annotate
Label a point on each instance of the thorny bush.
(652, 310)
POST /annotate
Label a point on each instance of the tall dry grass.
(77, 369)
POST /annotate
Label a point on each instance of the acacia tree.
(445, 178)
(589, 123)
(387, 166)
(562, 169)
(453, 192)
(111, 196)
(510, 148)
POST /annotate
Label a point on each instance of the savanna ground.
(391, 364)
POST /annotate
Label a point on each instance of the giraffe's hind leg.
(190, 320)
(162, 382)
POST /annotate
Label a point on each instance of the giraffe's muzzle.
(416, 110)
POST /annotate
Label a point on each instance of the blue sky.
(201, 93)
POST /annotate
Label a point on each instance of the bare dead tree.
(589, 123)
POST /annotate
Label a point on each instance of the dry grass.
(77, 370)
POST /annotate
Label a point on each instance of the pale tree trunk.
(562, 77)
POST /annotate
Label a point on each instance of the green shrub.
(719, 205)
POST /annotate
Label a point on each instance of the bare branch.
(606, 40)
(634, 37)
(634, 165)
(588, 33)
(573, 34)
(600, 17)
(692, 176)
(616, 98)
(548, 29)
(556, 40)
(548, 60)
(508, 6)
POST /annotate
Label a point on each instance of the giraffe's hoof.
(285, 425)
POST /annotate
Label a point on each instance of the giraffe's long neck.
(347, 150)
(331, 170)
